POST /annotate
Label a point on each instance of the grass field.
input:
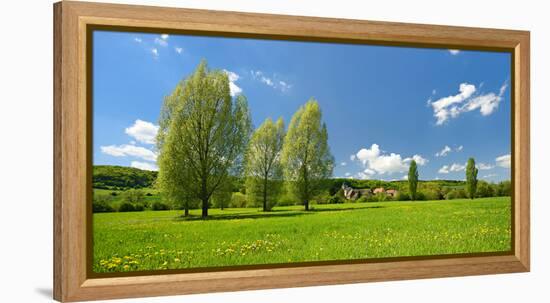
(153, 240)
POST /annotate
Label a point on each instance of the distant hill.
(121, 177)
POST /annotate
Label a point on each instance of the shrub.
(363, 199)
(403, 196)
(431, 194)
(238, 200)
(335, 200)
(102, 207)
(114, 193)
(134, 196)
(126, 207)
(139, 207)
(420, 196)
(148, 194)
(160, 206)
(456, 194)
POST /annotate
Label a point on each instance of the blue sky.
(383, 106)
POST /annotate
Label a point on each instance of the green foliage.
(126, 207)
(471, 178)
(264, 174)
(134, 196)
(456, 194)
(245, 236)
(102, 204)
(119, 177)
(306, 157)
(402, 196)
(238, 200)
(160, 206)
(335, 200)
(202, 136)
(221, 198)
(413, 180)
(503, 188)
(484, 189)
(431, 194)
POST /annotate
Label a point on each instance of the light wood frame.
(72, 175)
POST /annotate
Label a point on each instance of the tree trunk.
(205, 207)
(186, 211)
(204, 198)
(265, 194)
(306, 203)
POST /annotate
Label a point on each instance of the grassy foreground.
(153, 240)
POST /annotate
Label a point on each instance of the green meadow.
(152, 240)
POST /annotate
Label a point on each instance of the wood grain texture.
(72, 153)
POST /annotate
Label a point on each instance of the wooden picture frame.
(72, 175)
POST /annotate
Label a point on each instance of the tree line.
(206, 137)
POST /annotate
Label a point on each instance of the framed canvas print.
(202, 151)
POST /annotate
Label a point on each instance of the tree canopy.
(264, 176)
(306, 157)
(471, 178)
(205, 131)
(413, 179)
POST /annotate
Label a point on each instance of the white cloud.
(144, 165)
(126, 150)
(178, 50)
(155, 52)
(233, 88)
(504, 161)
(138, 40)
(455, 167)
(484, 166)
(405, 177)
(418, 159)
(489, 176)
(352, 157)
(143, 131)
(284, 86)
(366, 174)
(466, 101)
(162, 41)
(347, 174)
(377, 162)
(454, 51)
(446, 150)
(460, 148)
(258, 75)
(343, 164)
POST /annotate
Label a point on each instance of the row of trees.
(471, 179)
(206, 139)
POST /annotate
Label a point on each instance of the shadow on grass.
(259, 215)
(344, 208)
(271, 214)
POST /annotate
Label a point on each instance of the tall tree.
(174, 179)
(264, 174)
(471, 178)
(306, 156)
(211, 131)
(413, 180)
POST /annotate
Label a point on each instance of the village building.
(353, 194)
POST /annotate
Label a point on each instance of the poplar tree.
(471, 178)
(413, 180)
